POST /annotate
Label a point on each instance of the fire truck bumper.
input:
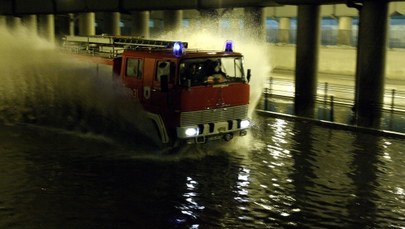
(202, 133)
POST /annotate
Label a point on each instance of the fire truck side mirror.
(164, 83)
(249, 74)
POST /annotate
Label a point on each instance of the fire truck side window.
(134, 68)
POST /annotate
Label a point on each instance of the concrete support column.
(71, 24)
(47, 27)
(173, 20)
(14, 22)
(87, 24)
(306, 65)
(209, 19)
(284, 28)
(112, 23)
(371, 55)
(140, 24)
(255, 21)
(30, 21)
(345, 31)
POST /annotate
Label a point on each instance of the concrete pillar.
(87, 24)
(345, 31)
(173, 20)
(14, 22)
(140, 24)
(30, 21)
(209, 19)
(284, 28)
(255, 22)
(71, 24)
(47, 27)
(112, 23)
(371, 55)
(306, 65)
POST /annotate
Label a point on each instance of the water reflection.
(242, 185)
(191, 208)
(280, 151)
(318, 174)
(378, 197)
(270, 200)
(365, 166)
(302, 173)
(297, 176)
(392, 183)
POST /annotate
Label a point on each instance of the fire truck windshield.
(216, 70)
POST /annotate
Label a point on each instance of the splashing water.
(42, 86)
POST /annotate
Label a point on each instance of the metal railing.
(330, 96)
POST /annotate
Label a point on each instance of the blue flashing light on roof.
(178, 48)
(228, 46)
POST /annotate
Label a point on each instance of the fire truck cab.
(190, 95)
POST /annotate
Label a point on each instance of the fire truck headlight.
(192, 131)
(244, 124)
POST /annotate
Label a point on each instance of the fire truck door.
(164, 71)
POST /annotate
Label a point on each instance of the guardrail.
(330, 95)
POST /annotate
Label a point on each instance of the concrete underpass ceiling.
(23, 7)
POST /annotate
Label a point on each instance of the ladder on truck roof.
(111, 46)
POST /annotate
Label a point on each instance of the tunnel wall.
(339, 60)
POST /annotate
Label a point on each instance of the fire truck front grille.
(213, 115)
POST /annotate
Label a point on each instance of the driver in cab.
(217, 76)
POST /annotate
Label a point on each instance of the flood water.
(291, 174)
(74, 155)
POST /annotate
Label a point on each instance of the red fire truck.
(190, 95)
